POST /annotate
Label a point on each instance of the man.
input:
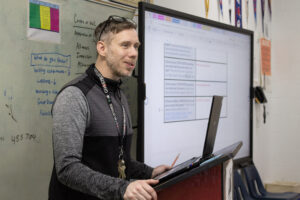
(92, 126)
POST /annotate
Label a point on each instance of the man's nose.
(133, 52)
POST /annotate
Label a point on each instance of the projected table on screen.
(190, 81)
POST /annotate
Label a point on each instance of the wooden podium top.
(218, 158)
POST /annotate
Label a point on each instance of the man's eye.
(125, 45)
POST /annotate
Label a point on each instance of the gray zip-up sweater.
(86, 141)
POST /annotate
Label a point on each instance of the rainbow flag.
(43, 16)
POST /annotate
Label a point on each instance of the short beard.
(115, 70)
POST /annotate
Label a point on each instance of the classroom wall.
(275, 143)
(277, 149)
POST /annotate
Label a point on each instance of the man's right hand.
(141, 190)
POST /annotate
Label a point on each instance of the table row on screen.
(189, 108)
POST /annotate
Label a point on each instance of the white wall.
(276, 143)
(279, 140)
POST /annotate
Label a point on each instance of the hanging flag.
(221, 6)
(238, 13)
(206, 8)
(263, 15)
(254, 9)
(270, 8)
(43, 16)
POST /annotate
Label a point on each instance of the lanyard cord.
(109, 101)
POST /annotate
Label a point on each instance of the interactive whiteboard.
(184, 61)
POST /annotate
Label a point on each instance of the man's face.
(122, 53)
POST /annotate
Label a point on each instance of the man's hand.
(160, 169)
(141, 190)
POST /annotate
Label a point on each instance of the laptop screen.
(212, 126)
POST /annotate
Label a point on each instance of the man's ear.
(101, 48)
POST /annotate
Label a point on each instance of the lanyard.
(109, 101)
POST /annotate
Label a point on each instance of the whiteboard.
(32, 72)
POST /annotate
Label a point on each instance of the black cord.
(264, 115)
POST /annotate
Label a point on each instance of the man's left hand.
(160, 169)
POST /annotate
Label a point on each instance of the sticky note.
(54, 13)
(34, 16)
(45, 17)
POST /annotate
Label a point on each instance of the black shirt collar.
(112, 85)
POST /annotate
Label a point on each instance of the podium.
(211, 180)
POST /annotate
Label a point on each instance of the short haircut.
(114, 24)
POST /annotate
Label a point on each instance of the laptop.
(209, 143)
